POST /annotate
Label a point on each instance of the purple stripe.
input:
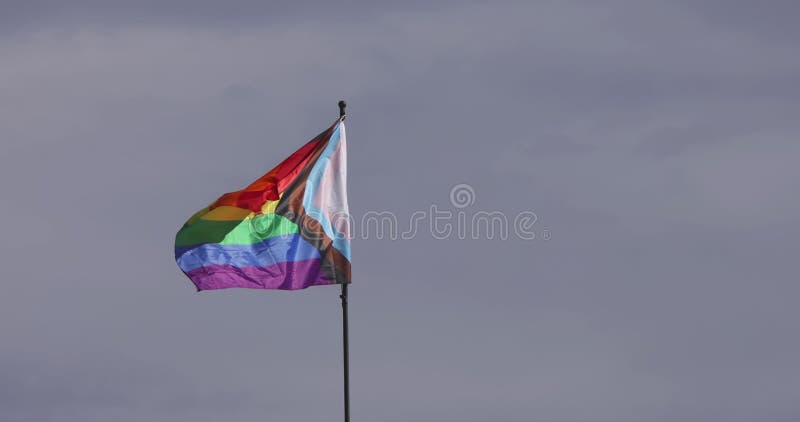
(293, 275)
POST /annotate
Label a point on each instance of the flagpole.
(345, 334)
(346, 355)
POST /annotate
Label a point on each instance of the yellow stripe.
(196, 216)
(269, 206)
(228, 213)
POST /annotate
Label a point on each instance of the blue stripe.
(285, 248)
(312, 183)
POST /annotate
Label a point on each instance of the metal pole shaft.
(346, 355)
(345, 337)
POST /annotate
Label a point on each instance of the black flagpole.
(345, 336)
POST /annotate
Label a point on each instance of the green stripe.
(244, 232)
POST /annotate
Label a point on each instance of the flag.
(287, 230)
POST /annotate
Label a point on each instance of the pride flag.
(287, 230)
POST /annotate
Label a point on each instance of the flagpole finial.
(342, 105)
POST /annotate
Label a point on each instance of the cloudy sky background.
(657, 141)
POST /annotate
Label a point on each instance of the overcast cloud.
(656, 141)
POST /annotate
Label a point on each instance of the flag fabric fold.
(287, 230)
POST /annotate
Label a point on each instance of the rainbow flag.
(287, 230)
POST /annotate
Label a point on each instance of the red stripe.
(269, 186)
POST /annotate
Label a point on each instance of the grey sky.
(655, 140)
